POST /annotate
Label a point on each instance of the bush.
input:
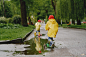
(3, 20)
(16, 19)
(10, 20)
(9, 26)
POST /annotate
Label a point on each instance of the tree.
(40, 8)
(23, 10)
(23, 13)
(79, 10)
(71, 14)
(15, 7)
(62, 10)
(2, 13)
(71, 9)
(1, 8)
(5, 8)
(84, 9)
(53, 2)
(58, 11)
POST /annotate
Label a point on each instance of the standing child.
(52, 27)
(38, 25)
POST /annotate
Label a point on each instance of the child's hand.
(48, 28)
(54, 36)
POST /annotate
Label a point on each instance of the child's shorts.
(37, 31)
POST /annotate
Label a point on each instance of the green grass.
(14, 31)
(82, 26)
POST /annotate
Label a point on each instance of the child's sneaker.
(50, 46)
(40, 35)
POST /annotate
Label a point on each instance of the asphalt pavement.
(69, 42)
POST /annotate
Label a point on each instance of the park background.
(17, 17)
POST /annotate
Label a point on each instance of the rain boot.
(38, 34)
(35, 34)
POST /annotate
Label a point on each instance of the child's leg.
(38, 32)
(39, 35)
(50, 40)
(35, 33)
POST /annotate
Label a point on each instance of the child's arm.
(40, 25)
(46, 27)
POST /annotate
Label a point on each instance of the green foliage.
(15, 7)
(9, 26)
(39, 8)
(8, 10)
(63, 9)
(10, 20)
(71, 9)
(79, 9)
(33, 7)
(85, 18)
(1, 8)
(17, 19)
(3, 20)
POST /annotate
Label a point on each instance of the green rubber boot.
(48, 45)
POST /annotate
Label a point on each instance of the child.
(52, 27)
(38, 25)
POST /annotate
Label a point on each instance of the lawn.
(82, 26)
(13, 31)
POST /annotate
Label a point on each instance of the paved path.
(68, 42)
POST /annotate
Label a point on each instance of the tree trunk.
(58, 21)
(54, 5)
(53, 2)
(29, 21)
(73, 21)
(23, 13)
(78, 22)
(38, 15)
(66, 22)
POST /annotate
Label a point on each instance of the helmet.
(39, 20)
(51, 17)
